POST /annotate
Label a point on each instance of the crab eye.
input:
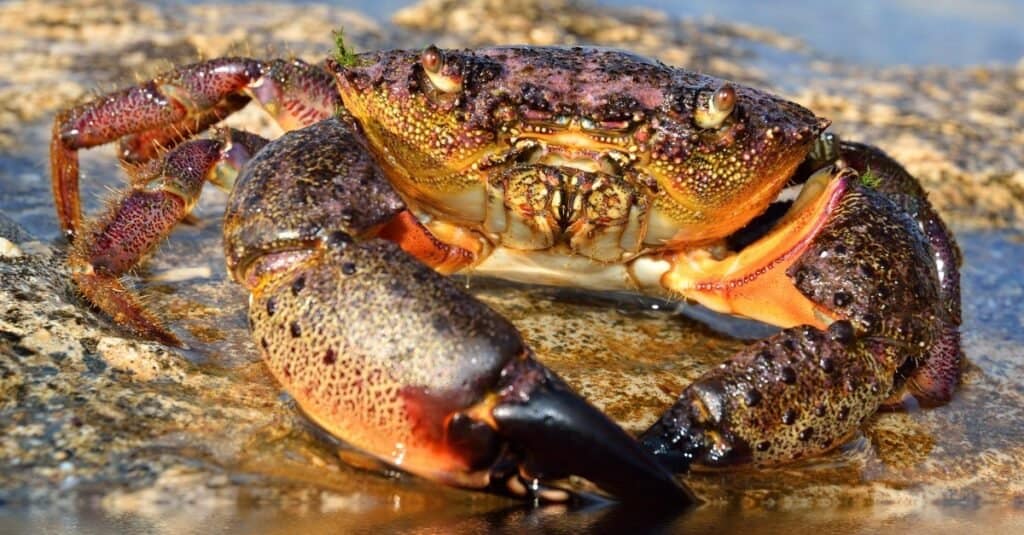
(445, 80)
(719, 107)
(432, 59)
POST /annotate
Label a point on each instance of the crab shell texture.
(648, 129)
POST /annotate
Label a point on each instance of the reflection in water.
(521, 519)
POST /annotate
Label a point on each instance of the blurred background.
(882, 32)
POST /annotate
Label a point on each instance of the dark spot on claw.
(840, 249)
(841, 299)
(844, 413)
(763, 445)
(867, 270)
(806, 434)
(348, 268)
(788, 375)
(271, 306)
(263, 342)
(766, 356)
(819, 411)
(298, 284)
(339, 239)
(295, 329)
(329, 357)
(752, 397)
(870, 321)
(789, 417)
(827, 364)
(842, 332)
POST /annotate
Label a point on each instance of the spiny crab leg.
(165, 111)
(806, 389)
(392, 357)
(163, 193)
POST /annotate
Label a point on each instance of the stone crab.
(579, 167)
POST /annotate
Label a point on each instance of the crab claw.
(391, 357)
(396, 360)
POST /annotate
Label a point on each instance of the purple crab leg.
(137, 220)
(156, 115)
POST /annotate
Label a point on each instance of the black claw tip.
(672, 449)
(561, 434)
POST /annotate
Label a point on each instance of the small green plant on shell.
(870, 179)
(342, 54)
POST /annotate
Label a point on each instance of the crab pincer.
(392, 357)
(807, 389)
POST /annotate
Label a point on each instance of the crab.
(581, 167)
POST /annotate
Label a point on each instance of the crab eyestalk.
(719, 107)
(444, 79)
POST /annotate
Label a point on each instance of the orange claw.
(754, 282)
(396, 360)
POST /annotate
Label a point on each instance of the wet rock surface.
(99, 429)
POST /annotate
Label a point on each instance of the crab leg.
(390, 356)
(162, 112)
(163, 193)
(806, 389)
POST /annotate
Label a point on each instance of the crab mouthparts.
(581, 155)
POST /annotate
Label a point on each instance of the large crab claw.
(869, 291)
(388, 355)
